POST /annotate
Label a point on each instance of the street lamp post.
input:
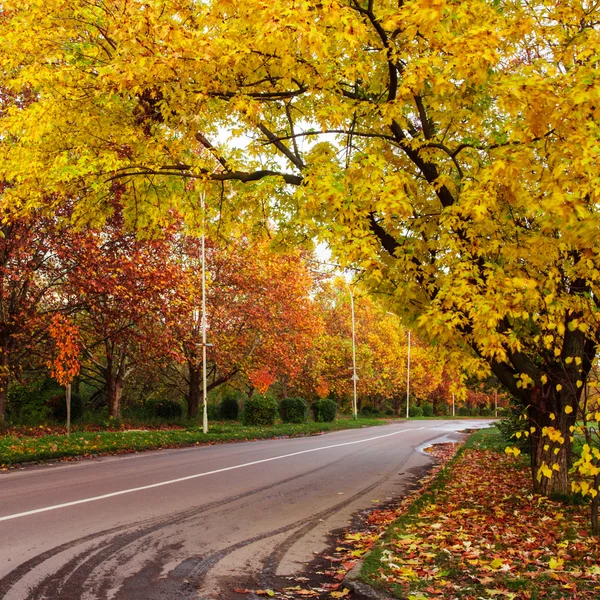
(204, 386)
(354, 375)
(408, 376)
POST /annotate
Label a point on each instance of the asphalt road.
(197, 522)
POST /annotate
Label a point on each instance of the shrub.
(415, 411)
(166, 409)
(369, 411)
(58, 407)
(293, 410)
(213, 413)
(428, 410)
(230, 407)
(463, 411)
(260, 410)
(514, 420)
(442, 409)
(486, 412)
(28, 404)
(324, 410)
(389, 412)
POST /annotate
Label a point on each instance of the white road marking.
(196, 476)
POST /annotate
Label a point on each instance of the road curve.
(196, 522)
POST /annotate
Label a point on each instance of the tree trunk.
(3, 398)
(194, 391)
(4, 381)
(550, 458)
(115, 389)
(595, 504)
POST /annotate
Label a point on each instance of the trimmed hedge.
(166, 409)
(324, 410)
(260, 410)
(230, 408)
(369, 411)
(428, 410)
(212, 412)
(415, 411)
(293, 410)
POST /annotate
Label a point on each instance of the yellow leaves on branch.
(497, 150)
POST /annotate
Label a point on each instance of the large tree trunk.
(115, 390)
(3, 397)
(194, 392)
(4, 381)
(551, 439)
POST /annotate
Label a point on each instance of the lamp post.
(204, 344)
(354, 375)
(408, 376)
(407, 367)
(204, 386)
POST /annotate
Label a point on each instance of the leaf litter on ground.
(484, 534)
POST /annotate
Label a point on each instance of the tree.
(463, 178)
(381, 349)
(260, 317)
(66, 362)
(128, 292)
(29, 278)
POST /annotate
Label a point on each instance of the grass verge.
(480, 533)
(41, 444)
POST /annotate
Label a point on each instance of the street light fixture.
(407, 367)
(354, 375)
(204, 386)
(408, 376)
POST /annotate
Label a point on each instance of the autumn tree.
(65, 363)
(127, 292)
(381, 353)
(29, 279)
(260, 317)
(447, 148)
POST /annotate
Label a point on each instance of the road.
(197, 522)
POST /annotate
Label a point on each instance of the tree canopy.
(447, 148)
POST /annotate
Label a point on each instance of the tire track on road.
(93, 557)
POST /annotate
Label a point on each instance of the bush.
(514, 420)
(58, 407)
(389, 412)
(369, 411)
(486, 412)
(442, 409)
(428, 410)
(260, 410)
(230, 407)
(166, 409)
(324, 410)
(28, 404)
(463, 411)
(213, 413)
(415, 411)
(293, 410)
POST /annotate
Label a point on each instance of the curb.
(363, 590)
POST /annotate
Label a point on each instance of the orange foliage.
(66, 363)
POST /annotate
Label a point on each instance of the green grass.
(487, 439)
(16, 450)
